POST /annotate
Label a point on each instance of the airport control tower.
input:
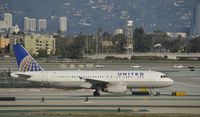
(129, 35)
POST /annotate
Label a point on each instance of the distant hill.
(87, 15)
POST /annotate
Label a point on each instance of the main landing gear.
(96, 93)
(153, 93)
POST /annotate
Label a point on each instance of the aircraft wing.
(95, 83)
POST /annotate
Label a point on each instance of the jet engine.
(115, 89)
(86, 85)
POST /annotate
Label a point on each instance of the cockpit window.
(163, 76)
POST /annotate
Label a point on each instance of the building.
(118, 31)
(196, 21)
(63, 24)
(4, 42)
(29, 24)
(26, 26)
(14, 29)
(42, 25)
(33, 43)
(7, 22)
(176, 34)
(2, 25)
(32, 24)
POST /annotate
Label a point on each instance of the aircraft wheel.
(96, 93)
(151, 94)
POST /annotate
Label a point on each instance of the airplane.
(111, 81)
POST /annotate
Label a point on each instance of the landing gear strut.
(96, 93)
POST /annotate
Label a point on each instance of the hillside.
(86, 15)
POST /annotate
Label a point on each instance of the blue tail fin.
(25, 61)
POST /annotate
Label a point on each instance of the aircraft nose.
(170, 81)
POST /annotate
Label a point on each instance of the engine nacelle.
(115, 89)
(86, 85)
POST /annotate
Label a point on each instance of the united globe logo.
(29, 64)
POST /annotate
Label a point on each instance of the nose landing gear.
(96, 93)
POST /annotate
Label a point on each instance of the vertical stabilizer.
(25, 61)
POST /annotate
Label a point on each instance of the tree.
(61, 51)
(174, 44)
(7, 49)
(193, 45)
(59, 32)
(142, 42)
(106, 36)
(42, 53)
(75, 50)
(119, 43)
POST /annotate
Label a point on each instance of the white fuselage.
(74, 79)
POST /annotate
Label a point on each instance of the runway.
(62, 100)
(75, 100)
